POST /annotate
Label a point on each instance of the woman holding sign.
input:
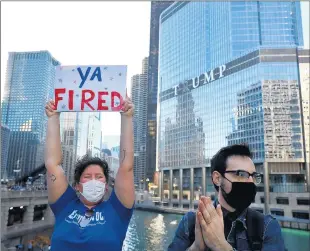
(83, 220)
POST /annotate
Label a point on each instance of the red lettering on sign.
(86, 100)
(99, 99)
(57, 98)
(102, 101)
(113, 96)
(71, 93)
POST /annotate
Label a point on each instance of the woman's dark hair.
(86, 161)
(219, 160)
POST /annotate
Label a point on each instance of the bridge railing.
(23, 194)
(22, 228)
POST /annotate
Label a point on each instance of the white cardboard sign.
(90, 88)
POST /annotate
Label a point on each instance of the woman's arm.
(56, 180)
(124, 181)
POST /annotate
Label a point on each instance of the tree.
(40, 241)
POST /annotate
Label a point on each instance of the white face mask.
(93, 190)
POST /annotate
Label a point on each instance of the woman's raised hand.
(50, 109)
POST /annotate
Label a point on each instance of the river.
(153, 232)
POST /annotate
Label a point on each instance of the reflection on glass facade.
(247, 122)
(187, 147)
(236, 28)
(226, 77)
(282, 120)
(29, 85)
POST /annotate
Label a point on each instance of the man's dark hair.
(219, 160)
(86, 161)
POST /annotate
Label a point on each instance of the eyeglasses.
(84, 221)
(244, 175)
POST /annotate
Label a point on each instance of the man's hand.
(199, 244)
(212, 225)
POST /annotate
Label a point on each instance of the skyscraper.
(229, 76)
(68, 137)
(157, 8)
(94, 134)
(304, 72)
(80, 135)
(29, 85)
(139, 98)
(5, 145)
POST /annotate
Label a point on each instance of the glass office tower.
(29, 85)
(229, 73)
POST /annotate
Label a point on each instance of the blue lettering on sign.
(96, 74)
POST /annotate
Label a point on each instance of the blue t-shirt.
(105, 231)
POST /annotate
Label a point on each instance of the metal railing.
(24, 228)
(23, 194)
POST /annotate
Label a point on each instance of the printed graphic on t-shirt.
(82, 221)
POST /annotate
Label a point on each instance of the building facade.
(139, 94)
(94, 134)
(113, 163)
(231, 75)
(115, 151)
(68, 137)
(304, 71)
(157, 7)
(80, 134)
(29, 85)
(5, 145)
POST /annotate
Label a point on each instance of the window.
(282, 201)
(262, 199)
(260, 189)
(301, 215)
(303, 201)
(279, 212)
(186, 206)
(259, 210)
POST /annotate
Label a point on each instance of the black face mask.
(241, 195)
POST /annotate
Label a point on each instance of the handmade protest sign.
(90, 88)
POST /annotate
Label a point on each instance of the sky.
(79, 33)
(86, 33)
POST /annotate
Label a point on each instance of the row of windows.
(285, 201)
(280, 212)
